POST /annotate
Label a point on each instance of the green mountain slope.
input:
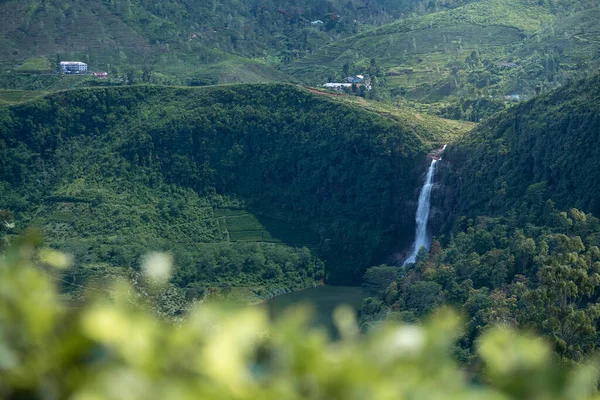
(489, 47)
(521, 243)
(243, 27)
(124, 42)
(446, 35)
(459, 57)
(546, 147)
(183, 39)
(217, 175)
(571, 44)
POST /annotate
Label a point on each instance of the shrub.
(114, 349)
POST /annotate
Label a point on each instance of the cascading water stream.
(423, 208)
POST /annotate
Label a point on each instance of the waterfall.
(421, 238)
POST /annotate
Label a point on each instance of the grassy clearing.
(432, 130)
(141, 216)
(215, 67)
(246, 222)
(242, 226)
(19, 96)
(35, 65)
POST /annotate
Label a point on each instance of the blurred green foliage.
(113, 349)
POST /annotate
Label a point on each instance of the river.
(323, 300)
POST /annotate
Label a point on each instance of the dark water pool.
(323, 300)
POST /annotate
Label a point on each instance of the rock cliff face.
(444, 204)
(441, 200)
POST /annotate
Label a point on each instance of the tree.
(147, 72)
(380, 277)
(494, 269)
(131, 76)
(424, 296)
(362, 91)
(373, 68)
(567, 276)
(346, 69)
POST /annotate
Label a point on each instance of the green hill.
(445, 35)
(519, 240)
(570, 47)
(487, 48)
(546, 147)
(246, 185)
(179, 41)
(454, 59)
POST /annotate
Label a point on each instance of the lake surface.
(323, 300)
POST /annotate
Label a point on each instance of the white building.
(356, 79)
(513, 97)
(337, 86)
(73, 67)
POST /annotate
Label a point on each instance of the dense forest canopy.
(546, 148)
(217, 175)
(518, 237)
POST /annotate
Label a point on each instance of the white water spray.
(423, 208)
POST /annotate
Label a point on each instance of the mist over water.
(423, 208)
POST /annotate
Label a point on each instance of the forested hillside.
(249, 186)
(182, 41)
(545, 148)
(469, 56)
(520, 246)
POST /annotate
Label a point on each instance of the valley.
(432, 165)
(255, 189)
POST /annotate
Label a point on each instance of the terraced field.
(19, 96)
(442, 58)
(242, 226)
(438, 131)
